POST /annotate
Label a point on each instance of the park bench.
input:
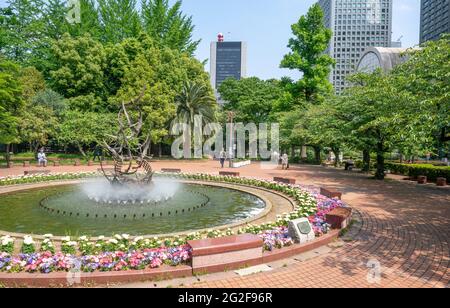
(26, 164)
(284, 180)
(330, 193)
(229, 173)
(339, 218)
(33, 172)
(170, 170)
(219, 254)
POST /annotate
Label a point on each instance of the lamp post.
(231, 115)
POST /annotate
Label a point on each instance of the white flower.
(28, 240)
(66, 239)
(48, 235)
(6, 240)
(101, 238)
(113, 241)
(125, 236)
(118, 236)
(83, 238)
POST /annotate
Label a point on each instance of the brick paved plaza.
(401, 228)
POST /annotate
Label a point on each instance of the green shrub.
(415, 170)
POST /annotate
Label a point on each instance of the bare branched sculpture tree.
(129, 147)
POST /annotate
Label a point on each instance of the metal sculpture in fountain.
(129, 148)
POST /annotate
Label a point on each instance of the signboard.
(301, 230)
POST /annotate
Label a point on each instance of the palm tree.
(195, 99)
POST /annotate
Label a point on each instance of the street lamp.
(231, 115)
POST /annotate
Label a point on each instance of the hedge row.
(415, 170)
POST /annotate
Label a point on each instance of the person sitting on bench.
(349, 164)
(42, 158)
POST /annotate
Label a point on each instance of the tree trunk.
(304, 152)
(336, 154)
(379, 175)
(160, 150)
(292, 151)
(7, 155)
(366, 161)
(317, 151)
(80, 148)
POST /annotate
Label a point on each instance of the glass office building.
(228, 60)
(356, 25)
(434, 19)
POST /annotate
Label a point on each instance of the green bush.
(415, 170)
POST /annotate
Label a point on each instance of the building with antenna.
(228, 60)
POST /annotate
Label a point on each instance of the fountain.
(130, 198)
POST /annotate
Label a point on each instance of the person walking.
(222, 157)
(98, 152)
(285, 162)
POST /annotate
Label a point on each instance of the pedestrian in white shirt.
(42, 158)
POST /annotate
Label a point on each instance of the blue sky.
(265, 26)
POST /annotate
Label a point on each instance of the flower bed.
(122, 252)
(38, 178)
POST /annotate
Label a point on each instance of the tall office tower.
(228, 59)
(356, 25)
(434, 19)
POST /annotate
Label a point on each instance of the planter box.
(229, 173)
(240, 164)
(90, 163)
(226, 253)
(31, 172)
(284, 180)
(339, 218)
(441, 182)
(77, 162)
(330, 194)
(170, 170)
(421, 179)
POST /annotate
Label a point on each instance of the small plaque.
(301, 230)
(304, 227)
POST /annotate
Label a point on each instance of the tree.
(375, 108)
(36, 125)
(21, 27)
(11, 103)
(140, 62)
(83, 129)
(425, 78)
(168, 26)
(50, 99)
(324, 125)
(119, 20)
(307, 55)
(79, 70)
(253, 99)
(32, 82)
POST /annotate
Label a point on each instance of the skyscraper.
(434, 19)
(356, 25)
(228, 59)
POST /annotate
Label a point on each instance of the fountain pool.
(78, 210)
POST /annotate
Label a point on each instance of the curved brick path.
(402, 229)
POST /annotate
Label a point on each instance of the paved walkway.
(401, 238)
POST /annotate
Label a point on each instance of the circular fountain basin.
(66, 210)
